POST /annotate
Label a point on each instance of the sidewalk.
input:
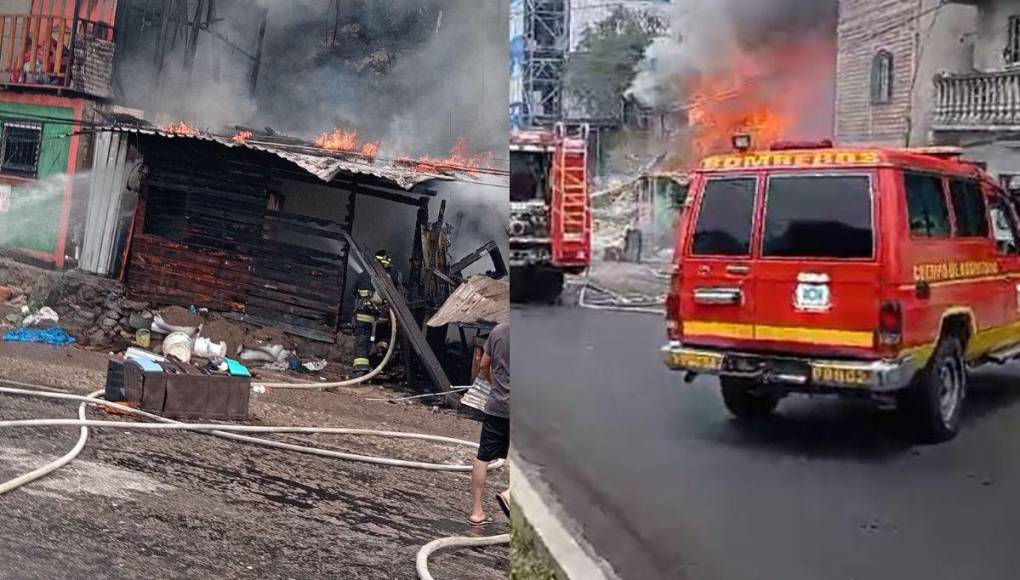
(546, 543)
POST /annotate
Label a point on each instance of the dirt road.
(144, 504)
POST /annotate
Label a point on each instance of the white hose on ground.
(613, 307)
(231, 432)
(411, 398)
(83, 436)
(422, 561)
(348, 382)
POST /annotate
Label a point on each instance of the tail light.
(890, 323)
(674, 326)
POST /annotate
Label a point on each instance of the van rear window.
(816, 216)
(724, 222)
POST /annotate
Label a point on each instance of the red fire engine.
(870, 273)
(550, 217)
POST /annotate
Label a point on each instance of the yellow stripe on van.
(822, 336)
(719, 329)
(826, 336)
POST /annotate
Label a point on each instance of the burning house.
(766, 69)
(260, 227)
(251, 224)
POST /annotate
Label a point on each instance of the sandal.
(480, 524)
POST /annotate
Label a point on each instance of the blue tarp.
(55, 335)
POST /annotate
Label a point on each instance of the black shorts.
(495, 440)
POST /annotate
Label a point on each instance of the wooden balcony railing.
(38, 50)
(982, 101)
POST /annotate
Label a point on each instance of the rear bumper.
(795, 373)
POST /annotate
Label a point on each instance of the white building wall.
(992, 33)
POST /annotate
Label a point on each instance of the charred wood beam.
(346, 252)
(407, 321)
(497, 261)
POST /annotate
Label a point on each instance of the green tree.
(598, 74)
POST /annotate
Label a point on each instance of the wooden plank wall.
(204, 236)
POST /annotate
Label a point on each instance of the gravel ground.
(145, 504)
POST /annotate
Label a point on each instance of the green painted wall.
(33, 221)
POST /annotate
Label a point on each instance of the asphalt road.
(664, 484)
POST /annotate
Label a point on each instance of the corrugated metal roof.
(480, 299)
(322, 164)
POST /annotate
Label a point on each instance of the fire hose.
(422, 560)
(233, 432)
(616, 302)
(348, 382)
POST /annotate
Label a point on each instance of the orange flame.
(369, 149)
(776, 93)
(180, 128)
(338, 140)
(242, 136)
(461, 159)
(347, 142)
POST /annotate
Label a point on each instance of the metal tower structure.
(539, 39)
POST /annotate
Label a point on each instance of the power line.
(909, 19)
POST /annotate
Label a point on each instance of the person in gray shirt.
(494, 442)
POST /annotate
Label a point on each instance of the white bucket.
(206, 348)
(178, 345)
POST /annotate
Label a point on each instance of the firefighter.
(371, 320)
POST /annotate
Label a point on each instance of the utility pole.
(258, 51)
(192, 47)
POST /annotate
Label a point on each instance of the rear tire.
(933, 402)
(744, 399)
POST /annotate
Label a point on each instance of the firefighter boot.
(362, 349)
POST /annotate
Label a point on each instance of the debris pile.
(97, 314)
(95, 311)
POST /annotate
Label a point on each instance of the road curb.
(574, 556)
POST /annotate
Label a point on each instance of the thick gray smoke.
(706, 34)
(413, 75)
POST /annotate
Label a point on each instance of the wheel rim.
(950, 389)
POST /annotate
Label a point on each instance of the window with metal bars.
(1011, 54)
(19, 151)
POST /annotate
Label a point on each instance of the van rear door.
(817, 275)
(717, 296)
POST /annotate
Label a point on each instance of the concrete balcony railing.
(977, 101)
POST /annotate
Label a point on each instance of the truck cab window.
(969, 209)
(926, 206)
(1004, 229)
